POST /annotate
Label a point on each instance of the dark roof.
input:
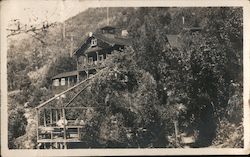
(65, 74)
(193, 29)
(82, 45)
(107, 39)
(107, 28)
(174, 41)
(113, 40)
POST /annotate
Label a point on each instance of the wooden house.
(90, 55)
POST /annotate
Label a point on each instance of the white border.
(97, 152)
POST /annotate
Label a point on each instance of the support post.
(64, 129)
(78, 77)
(71, 45)
(78, 131)
(61, 113)
(97, 57)
(87, 72)
(37, 131)
(68, 82)
(51, 117)
(176, 132)
(87, 59)
(44, 118)
(107, 16)
(77, 63)
(56, 115)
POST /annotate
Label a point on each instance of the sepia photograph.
(89, 75)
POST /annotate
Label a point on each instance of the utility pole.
(71, 45)
(63, 19)
(107, 15)
(183, 20)
(176, 132)
(64, 32)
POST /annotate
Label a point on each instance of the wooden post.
(56, 115)
(51, 117)
(78, 77)
(176, 132)
(44, 118)
(37, 131)
(71, 45)
(78, 131)
(68, 82)
(87, 72)
(97, 57)
(107, 16)
(87, 59)
(64, 129)
(61, 113)
(77, 63)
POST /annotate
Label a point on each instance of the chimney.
(90, 34)
(124, 33)
(183, 20)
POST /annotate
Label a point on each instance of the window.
(107, 55)
(93, 42)
(101, 57)
(69, 81)
(90, 60)
(56, 82)
(62, 81)
(81, 60)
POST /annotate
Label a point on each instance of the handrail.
(77, 94)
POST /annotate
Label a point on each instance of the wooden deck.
(55, 134)
(58, 127)
(58, 140)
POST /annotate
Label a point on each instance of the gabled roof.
(193, 29)
(65, 74)
(174, 41)
(111, 40)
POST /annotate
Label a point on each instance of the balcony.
(90, 65)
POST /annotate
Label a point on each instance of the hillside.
(199, 85)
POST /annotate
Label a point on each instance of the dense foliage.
(16, 123)
(199, 75)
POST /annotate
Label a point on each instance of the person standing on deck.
(61, 122)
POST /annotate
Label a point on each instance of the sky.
(33, 12)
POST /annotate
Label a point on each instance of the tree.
(16, 125)
(204, 66)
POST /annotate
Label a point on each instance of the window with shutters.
(101, 57)
(62, 81)
(93, 42)
(56, 82)
(90, 60)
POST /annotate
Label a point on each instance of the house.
(174, 42)
(63, 81)
(90, 55)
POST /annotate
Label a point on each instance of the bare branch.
(17, 31)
